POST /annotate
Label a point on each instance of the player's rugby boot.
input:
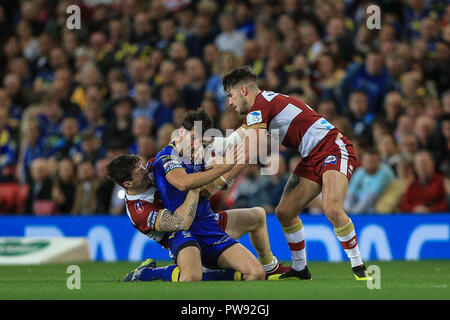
(292, 274)
(134, 275)
(278, 270)
(360, 273)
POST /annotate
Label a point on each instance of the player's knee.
(259, 215)
(283, 215)
(332, 210)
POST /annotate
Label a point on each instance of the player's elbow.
(182, 186)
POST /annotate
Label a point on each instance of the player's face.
(236, 101)
(141, 177)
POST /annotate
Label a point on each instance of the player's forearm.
(188, 209)
(183, 216)
(200, 179)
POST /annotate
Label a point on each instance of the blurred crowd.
(71, 100)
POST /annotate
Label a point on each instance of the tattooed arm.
(183, 216)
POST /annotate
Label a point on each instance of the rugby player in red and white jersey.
(148, 215)
(327, 163)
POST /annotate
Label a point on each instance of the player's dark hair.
(198, 115)
(121, 167)
(236, 76)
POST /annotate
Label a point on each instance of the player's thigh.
(239, 258)
(245, 220)
(334, 188)
(190, 262)
(297, 193)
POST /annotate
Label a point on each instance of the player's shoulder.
(166, 153)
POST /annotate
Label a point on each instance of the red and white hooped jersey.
(143, 209)
(294, 123)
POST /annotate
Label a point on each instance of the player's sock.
(295, 236)
(268, 261)
(347, 236)
(167, 273)
(221, 275)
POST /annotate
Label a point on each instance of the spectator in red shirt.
(426, 193)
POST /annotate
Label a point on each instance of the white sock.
(271, 266)
(295, 236)
(347, 236)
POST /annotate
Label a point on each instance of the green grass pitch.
(399, 280)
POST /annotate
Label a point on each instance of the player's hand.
(209, 190)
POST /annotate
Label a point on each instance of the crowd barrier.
(386, 237)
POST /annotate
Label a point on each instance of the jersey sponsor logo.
(139, 207)
(330, 159)
(254, 117)
(171, 164)
(224, 239)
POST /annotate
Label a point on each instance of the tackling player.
(327, 163)
(176, 171)
(149, 216)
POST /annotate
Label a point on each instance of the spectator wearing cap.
(426, 194)
(367, 183)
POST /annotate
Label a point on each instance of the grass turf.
(399, 280)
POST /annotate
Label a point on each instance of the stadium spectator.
(230, 39)
(371, 77)
(360, 117)
(389, 201)
(443, 152)
(223, 64)
(367, 183)
(426, 194)
(141, 127)
(392, 109)
(387, 148)
(119, 128)
(321, 51)
(85, 201)
(39, 200)
(193, 91)
(69, 144)
(91, 149)
(63, 186)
